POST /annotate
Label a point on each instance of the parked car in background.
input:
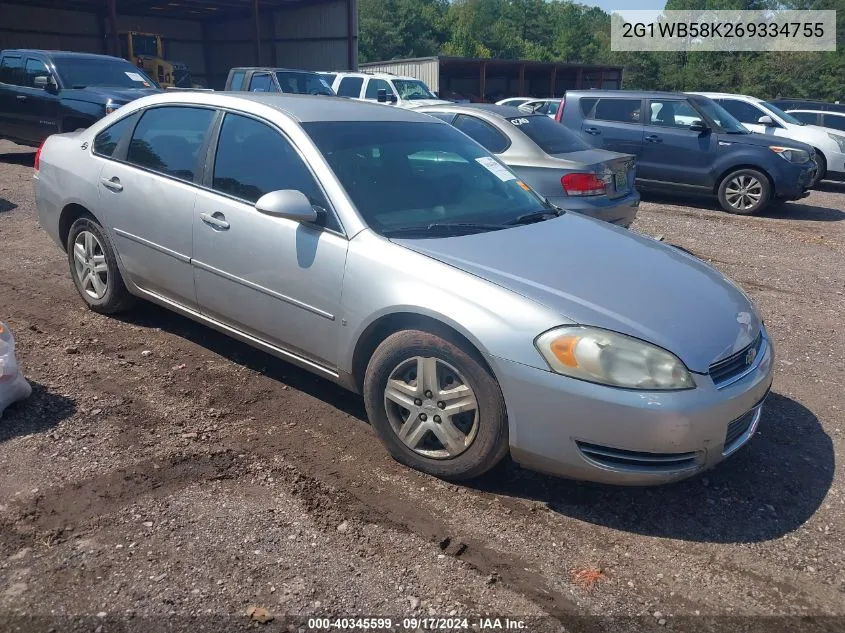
(764, 118)
(47, 92)
(551, 159)
(822, 118)
(405, 92)
(514, 102)
(807, 104)
(689, 144)
(259, 79)
(387, 251)
(549, 107)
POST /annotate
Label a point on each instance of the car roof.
(720, 95)
(59, 54)
(631, 94)
(342, 73)
(273, 69)
(302, 108)
(833, 112)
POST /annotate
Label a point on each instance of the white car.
(405, 92)
(514, 102)
(548, 107)
(823, 118)
(763, 117)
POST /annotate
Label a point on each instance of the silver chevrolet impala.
(389, 252)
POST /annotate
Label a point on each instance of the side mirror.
(45, 82)
(382, 95)
(765, 120)
(287, 203)
(698, 126)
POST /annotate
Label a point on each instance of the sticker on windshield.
(495, 168)
(518, 122)
(136, 77)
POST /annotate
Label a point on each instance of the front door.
(40, 119)
(672, 153)
(275, 279)
(148, 197)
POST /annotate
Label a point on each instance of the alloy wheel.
(89, 260)
(744, 192)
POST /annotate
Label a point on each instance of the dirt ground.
(165, 477)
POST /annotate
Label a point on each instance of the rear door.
(672, 153)
(12, 99)
(613, 123)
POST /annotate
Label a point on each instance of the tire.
(475, 440)
(93, 267)
(755, 184)
(821, 170)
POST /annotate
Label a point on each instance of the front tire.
(821, 170)
(435, 406)
(93, 267)
(745, 192)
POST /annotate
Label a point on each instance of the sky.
(611, 5)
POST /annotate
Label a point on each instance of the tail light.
(583, 185)
(559, 113)
(37, 163)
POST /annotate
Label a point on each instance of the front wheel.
(745, 192)
(435, 406)
(821, 170)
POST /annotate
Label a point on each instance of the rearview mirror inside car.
(287, 203)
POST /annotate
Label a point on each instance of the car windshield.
(549, 135)
(404, 176)
(410, 89)
(80, 72)
(722, 117)
(304, 83)
(783, 115)
(145, 45)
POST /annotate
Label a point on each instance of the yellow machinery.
(146, 51)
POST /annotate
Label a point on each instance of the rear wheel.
(745, 192)
(435, 406)
(93, 266)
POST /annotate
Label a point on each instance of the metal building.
(480, 79)
(210, 36)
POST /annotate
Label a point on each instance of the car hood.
(104, 93)
(763, 140)
(595, 274)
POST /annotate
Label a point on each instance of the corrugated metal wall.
(427, 69)
(312, 37)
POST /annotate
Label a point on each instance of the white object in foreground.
(13, 386)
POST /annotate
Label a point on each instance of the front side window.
(237, 80)
(11, 70)
(742, 111)
(407, 177)
(719, 115)
(168, 140)
(806, 117)
(304, 83)
(618, 110)
(482, 133)
(34, 68)
(781, 114)
(374, 85)
(253, 159)
(350, 87)
(81, 72)
(106, 141)
(262, 82)
(672, 113)
(550, 136)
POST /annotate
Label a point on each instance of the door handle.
(592, 130)
(21, 97)
(113, 184)
(215, 221)
(653, 138)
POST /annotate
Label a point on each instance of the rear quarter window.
(106, 142)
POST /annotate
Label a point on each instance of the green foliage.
(566, 31)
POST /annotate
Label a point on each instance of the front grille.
(735, 364)
(738, 427)
(637, 460)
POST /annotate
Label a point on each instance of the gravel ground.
(165, 477)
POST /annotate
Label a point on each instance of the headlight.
(791, 154)
(111, 106)
(840, 140)
(612, 359)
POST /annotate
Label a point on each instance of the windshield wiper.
(537, 216)
(443, 228)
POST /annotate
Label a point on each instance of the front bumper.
(795, 181)
(621, 211)
(586, 431)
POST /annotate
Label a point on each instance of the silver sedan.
(553, 160)
(387, 251)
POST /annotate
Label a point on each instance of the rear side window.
(11, 71)
(168, 140)
(350, 87)
(262, 83)
(482, 133)
(329, 77)
(830, 120)
(106, 141)
(618, 110)
(252, 159)
(549, 135)
(374, 85)
(237, 80)
(34, 68)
